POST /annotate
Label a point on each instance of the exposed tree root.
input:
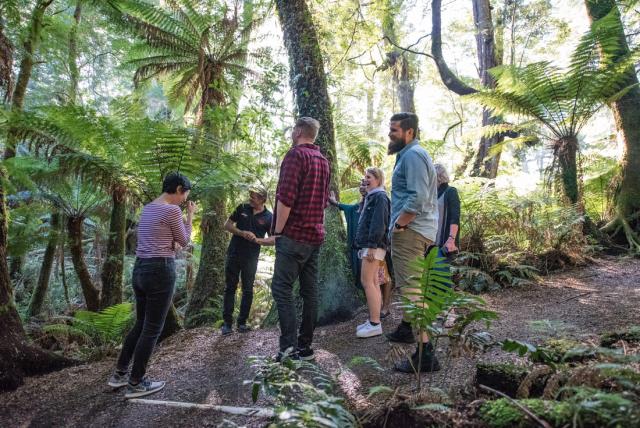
(620, 224)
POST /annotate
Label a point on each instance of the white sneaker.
(145, 387)
(369, 330)
(362, 325)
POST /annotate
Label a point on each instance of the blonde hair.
(377, 173)
(308, 127)
(441, 173)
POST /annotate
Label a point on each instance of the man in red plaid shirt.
(298, 225)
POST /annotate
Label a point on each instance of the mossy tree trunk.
(626, 112)
(337, 296)
(113, 267)
(209, 283)
(89, 290)
(17, 358)
(39, 293)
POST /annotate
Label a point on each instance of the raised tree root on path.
(244, 411)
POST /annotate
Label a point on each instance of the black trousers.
(239, 267)
(295, 260)
(153, 284)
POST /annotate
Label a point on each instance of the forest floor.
(200, 366)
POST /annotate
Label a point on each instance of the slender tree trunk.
(74, 73)
(337, 298)
(31, 43)
(209, 283)
(39, 293)
(626, 112)
(63, 274)
(113, 267)
(89, 290)
(399, 61)
(486, 165)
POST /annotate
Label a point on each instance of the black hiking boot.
(429, 361)
(226, 329)
(402, 334)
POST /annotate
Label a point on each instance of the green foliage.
(301, 401)
(632, 335)
(433, 293)
(508, 239)
(503, 414)
(107, 326)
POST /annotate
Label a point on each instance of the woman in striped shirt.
(161, 227)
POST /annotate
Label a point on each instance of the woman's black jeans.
(153, 284)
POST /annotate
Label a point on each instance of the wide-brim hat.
(259, 190)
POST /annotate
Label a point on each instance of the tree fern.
(108, 325)
(432, 293)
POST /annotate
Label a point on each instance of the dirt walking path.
(200, 366)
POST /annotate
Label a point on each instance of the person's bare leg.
(371, 289)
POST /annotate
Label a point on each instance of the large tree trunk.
(626, 112)
(31, 43)
(209, 284)
(74, 73)
(89, 290)
(337, 296)
(484, 165)
(17, 358)
(39, 293)
(113, 266)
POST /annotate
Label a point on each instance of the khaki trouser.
(406, 246)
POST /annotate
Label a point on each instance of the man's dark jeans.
(153, 285)
(295, 260)
(239, 266)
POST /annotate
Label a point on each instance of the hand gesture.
(332, 197)
(371, 254)
(191, 208)
(249, 236)
(450, 245)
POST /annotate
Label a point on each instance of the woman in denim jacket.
(373, 241)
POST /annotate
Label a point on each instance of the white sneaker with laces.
(369, 330)
(118, 380)
(362, 325)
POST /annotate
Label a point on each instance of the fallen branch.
(244, 411)
(575, 297)
(524, 409)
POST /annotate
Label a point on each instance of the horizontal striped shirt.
(161, 226)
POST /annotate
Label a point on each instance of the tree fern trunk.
(566, 152)
(39, 293)
(113, 266)
(209, 283)
(6, 64)
(338, 298)
(626, 112)
(89, 290)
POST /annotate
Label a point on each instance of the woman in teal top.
(352, 215)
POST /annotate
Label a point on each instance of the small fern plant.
(108, 326)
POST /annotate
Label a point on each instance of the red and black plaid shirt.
(304, 186)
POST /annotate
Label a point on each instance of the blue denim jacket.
(414, 190)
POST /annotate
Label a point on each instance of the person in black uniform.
(249, 224)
